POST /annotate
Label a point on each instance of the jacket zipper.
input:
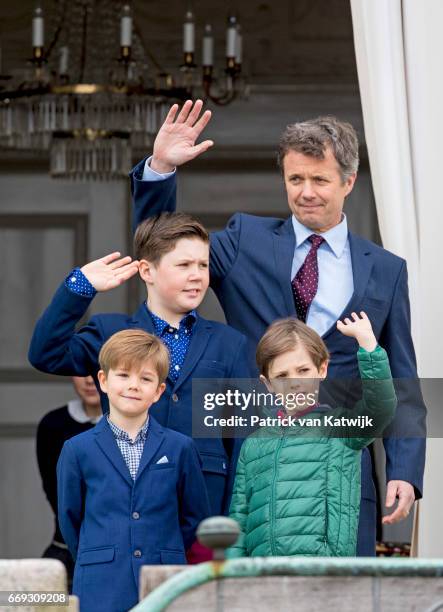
(326, 522)
(272, 508)
(326, 506)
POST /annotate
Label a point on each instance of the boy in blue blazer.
(130, 492)
(172, 253)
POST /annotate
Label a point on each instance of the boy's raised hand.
(175, 141)
(110, 271)
(359, 328)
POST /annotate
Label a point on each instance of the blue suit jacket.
(105, 516)
(215, 351)
(250, 268)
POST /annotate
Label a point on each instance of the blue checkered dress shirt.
(177, 340)
(132, 451)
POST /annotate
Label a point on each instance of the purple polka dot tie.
(305, 282)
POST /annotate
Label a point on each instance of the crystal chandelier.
(94, 96)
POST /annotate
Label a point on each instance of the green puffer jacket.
(295, 494)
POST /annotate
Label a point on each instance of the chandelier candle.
(189, 39)
(208, 47)
(231, 44)
(38, 28)
(126, 31)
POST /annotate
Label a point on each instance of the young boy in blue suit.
(130, 492)
(172, 253)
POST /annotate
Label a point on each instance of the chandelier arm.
(84, 43)
(151, 56)
(57, 32)
(223, 100)
(24, 91)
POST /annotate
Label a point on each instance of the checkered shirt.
(132, 451)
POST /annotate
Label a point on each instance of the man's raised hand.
(175, 141)
(110, 271)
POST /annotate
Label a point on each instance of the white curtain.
(399, 50)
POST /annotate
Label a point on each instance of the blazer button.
(137, 553)
(135, 515)
(174, 397)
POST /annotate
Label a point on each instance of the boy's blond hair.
(283, 336)
(158, 235)
(130, 349)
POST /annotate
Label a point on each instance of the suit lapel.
(153, 442)
(284, 247)
(362, 263)
(142, 319)
(108, 444)
(197, 346)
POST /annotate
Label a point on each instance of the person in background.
(57, 426)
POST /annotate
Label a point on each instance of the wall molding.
(79, 225)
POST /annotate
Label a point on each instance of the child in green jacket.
(297, 492)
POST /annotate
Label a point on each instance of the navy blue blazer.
(113, 525)
(215, 351)
(250, 268)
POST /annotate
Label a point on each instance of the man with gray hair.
(309, 266)
(310, 137)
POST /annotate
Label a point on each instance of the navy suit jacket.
(250, 268)
(215, 351)
(113, 525)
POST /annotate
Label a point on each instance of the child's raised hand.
(359, 328)
(110, 271)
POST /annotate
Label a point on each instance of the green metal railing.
(197, 575)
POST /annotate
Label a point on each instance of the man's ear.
(349, 182)
(267, 383)
(145, 270)
(102, 380)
